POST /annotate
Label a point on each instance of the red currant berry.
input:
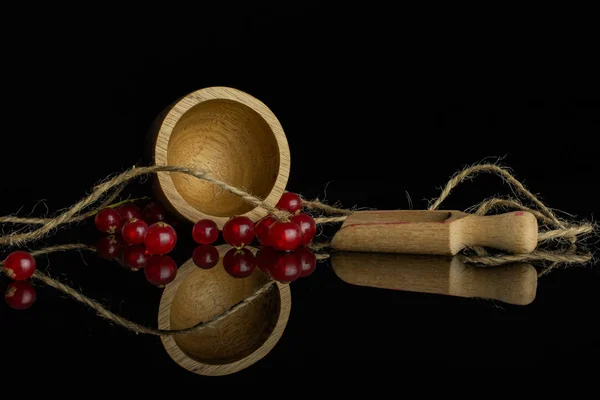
(205, 231)
(239, 263)
(129, 211)
(20, 295)
(154, 212)
(205, 256)
(135, 257)
(19, 265)
(287, 267)
(134, 231)
(108, 221)
(262, 229)
(308, 261)
(265, 258)
(160, 270)
(285, 236)
(238, 231)
(109, 247)
(290, 202)
(160, 238)
(307, 226)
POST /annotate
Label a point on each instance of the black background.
(373, 108)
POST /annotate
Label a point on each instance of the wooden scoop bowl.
(435, 232)
(229, 133)
(514, 283)
(232, 344)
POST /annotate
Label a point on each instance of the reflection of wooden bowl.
(234, 343)
(235, 137)
(514, 283)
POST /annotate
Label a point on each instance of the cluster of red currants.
(283, 256)
(239, 231)
(148, 239)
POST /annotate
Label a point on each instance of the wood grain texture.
(234, 343)
(231, 134)
(435, 232)
(445, 275)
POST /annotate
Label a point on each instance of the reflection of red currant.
(238, 231)
(134, 231)
(239, 263)
(205, 256)
(290, 202)
(19, 265)
(307, 226)
(154, 212)
(109, 246)
(287, 267)
(205, 231)
(160, 270)
(20, 295)
(160, 238)
(308, 261)
(135, 257)
(108, 221)
(129, 211)
(262, 229)
(285, 236)
(265, 258)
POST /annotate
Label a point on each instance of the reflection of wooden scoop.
(435, 232)
(512, 283)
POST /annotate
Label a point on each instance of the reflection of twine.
(558, 229)
(124, 322)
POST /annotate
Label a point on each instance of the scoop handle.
(514, 232)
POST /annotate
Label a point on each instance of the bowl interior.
(207, 293)
(235, 144)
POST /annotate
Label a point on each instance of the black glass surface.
(366, 128)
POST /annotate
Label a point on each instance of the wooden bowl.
(232, 344)
(229, 133)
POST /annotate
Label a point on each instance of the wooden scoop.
(435, 232)
(514, 283)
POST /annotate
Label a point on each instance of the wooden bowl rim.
(191, 100)
(197, 367)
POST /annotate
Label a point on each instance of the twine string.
(71, 214)
(564, 230)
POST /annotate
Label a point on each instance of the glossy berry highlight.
(308, 261)
(289, 202)
(20, 295)
(108, 220)
(160, 238)
(238, 231)
(285, 236)
(160, 270)
(205, 256)
(205, 231)
(135, 257)
(308, 227)
(134, 231)
(287, 267)
(19, 265)
(239, 263)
